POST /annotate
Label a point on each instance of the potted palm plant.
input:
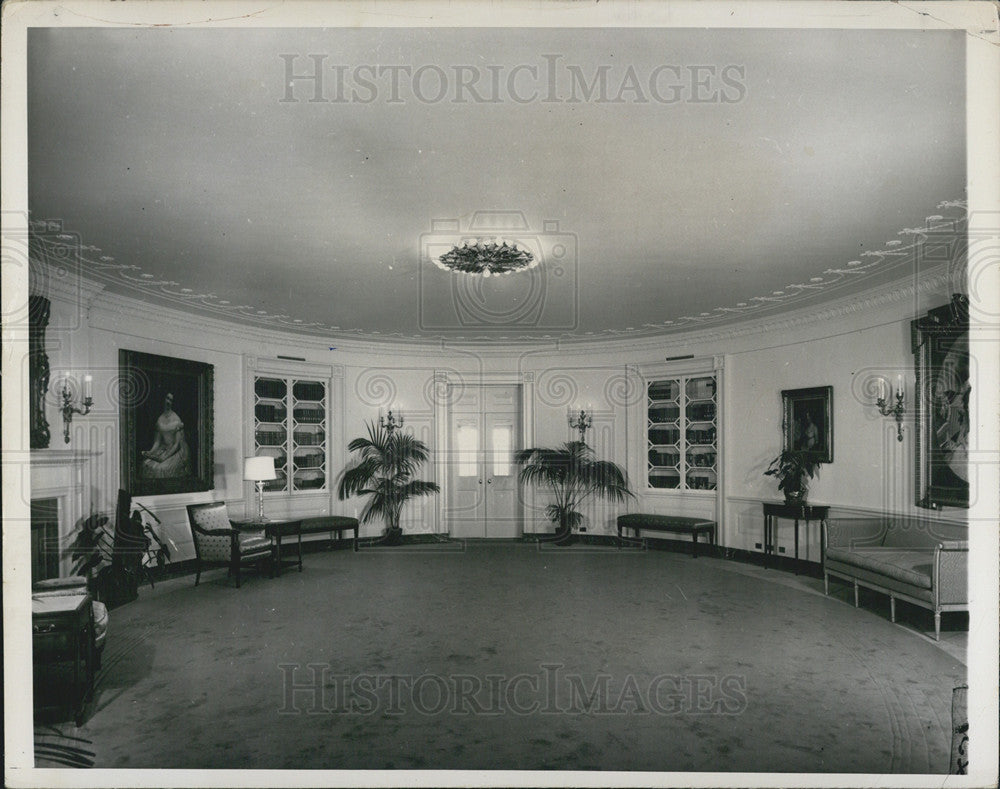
(383, 468)
(793, 469)
(573, 474)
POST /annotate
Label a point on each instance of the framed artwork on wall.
(940, 341)
(807, 422)
(166, 429)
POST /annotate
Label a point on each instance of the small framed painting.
(807, 423)
(166, 429)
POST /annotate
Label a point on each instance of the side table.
(804, 512)
(276, 530)
(62, 625)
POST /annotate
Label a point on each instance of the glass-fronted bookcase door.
(291, 419)
(682, 433)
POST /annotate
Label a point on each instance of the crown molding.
(67, 286)
(941, 235)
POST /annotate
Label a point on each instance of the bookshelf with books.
(681, 433)
(291, 425)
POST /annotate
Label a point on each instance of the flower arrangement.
(487, 257)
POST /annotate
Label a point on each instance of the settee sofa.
(920, 561)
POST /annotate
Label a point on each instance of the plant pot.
(563, 536)
(393, 535)
(795, 497)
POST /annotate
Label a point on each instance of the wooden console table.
(62, 628)
(804, 512)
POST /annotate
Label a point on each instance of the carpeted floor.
(512, 656)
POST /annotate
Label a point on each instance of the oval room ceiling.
(666, 178)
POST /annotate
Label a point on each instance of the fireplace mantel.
(60, 457)
(63, 475)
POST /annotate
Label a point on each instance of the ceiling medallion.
(486, 257)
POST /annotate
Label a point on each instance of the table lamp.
(258, 470)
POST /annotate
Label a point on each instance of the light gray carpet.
(702, 669)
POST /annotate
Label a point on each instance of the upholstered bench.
(667, 523)
(333, 524)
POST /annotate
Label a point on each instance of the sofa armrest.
(951, 568)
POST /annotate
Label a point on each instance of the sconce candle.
(390, 422)
(68, 409)
(897, 409)
(580, 420)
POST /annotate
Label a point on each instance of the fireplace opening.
(44, 539)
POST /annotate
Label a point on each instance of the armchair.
(217, 542)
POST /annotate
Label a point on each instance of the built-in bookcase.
(291, 421)
(682, 433)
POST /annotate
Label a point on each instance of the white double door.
(484, 433)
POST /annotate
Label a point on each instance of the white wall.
(841, 348)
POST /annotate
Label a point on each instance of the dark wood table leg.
(694, 546)
(356, 530)
(277, 555)
(822, 546)
(797, 544)
(767, 538)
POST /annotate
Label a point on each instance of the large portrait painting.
(807, 422)
(941, 353)
(166, 424)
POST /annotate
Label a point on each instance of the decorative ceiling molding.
(109, 308)
(942, 235)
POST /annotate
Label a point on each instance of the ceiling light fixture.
(486, 257)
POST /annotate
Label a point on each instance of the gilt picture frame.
(940, 344)
(807, 421)
(166, 424)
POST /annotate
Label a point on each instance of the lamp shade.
(259, 469)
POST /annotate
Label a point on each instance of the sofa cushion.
(913, 566)
(254, 541)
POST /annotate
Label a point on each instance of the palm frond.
(353, 479)
(574, 474)
(384, 468)
(417, 487)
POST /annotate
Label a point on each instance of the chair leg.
(826, 584)
(197, 571)
(937, 625)
(892, 608)
(855, 594)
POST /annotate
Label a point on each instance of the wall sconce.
(389, 422)
(580, 421)
(68, 409)
(896, 410)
